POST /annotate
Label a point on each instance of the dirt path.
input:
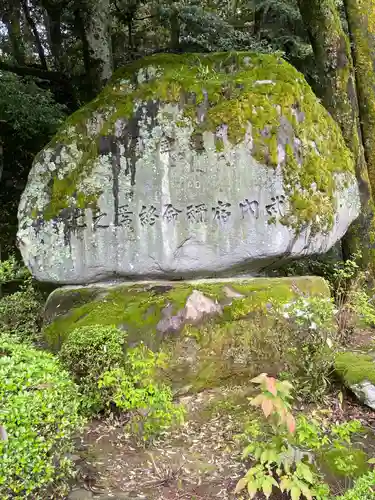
(200, 460)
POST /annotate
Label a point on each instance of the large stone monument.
(189, 166)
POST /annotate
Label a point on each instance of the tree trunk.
(52, 20)
(339, 95)
(86, 86)
(34, 29)
(361, 20)
(175, 30)
(96, 37)
(11, 17)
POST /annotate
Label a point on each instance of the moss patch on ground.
(355, 367)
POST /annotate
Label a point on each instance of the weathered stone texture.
(163, 176)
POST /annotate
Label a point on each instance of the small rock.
(365, 392)
(198, 305)
(170, 323)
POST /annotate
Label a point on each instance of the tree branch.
(52, 76)
(34, 29)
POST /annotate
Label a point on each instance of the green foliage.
(19, 311)
(283, 449)
(88, 352)
(349, 287)
(132, 388)
(347, 463)
(39, 411)
(206, 30)
(277, 465)
(28, 110)
(364, 488)
(281, 25)
(363, 307)
(114, 380)
(11, 270)
(309, 342)
(29, 116)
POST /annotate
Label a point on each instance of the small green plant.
(333, 443)
(12, 270)
(88, 352)
(39, 418)
(353, 302)
(132, 388)
(348, 283)
(363, 489)
(277, 463)
(19, 311)
(312, 337)
(284, 450)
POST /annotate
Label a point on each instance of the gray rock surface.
(365, 392)
(162, 201)
(198, 307)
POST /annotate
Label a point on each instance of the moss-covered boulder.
(189, 166)
(357, 371)
(212, 331)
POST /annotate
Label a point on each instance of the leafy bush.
(308, 337)
(283, 449)
(277, 465)
(88, 352)
(20, 311)
(364, 488)
(349, 288)
(11, 270)
(133, 388)
(114, 380)
(39, 412)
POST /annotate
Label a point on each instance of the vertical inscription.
(125, 217)
(249, 207)
(276, 207)
(197, 213)
(148, 215)
(221, 212)
(171, 213)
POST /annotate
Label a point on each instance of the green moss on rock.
(230, 347)
(248, 93)
(355, 367)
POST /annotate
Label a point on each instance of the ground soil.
(201, 459)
